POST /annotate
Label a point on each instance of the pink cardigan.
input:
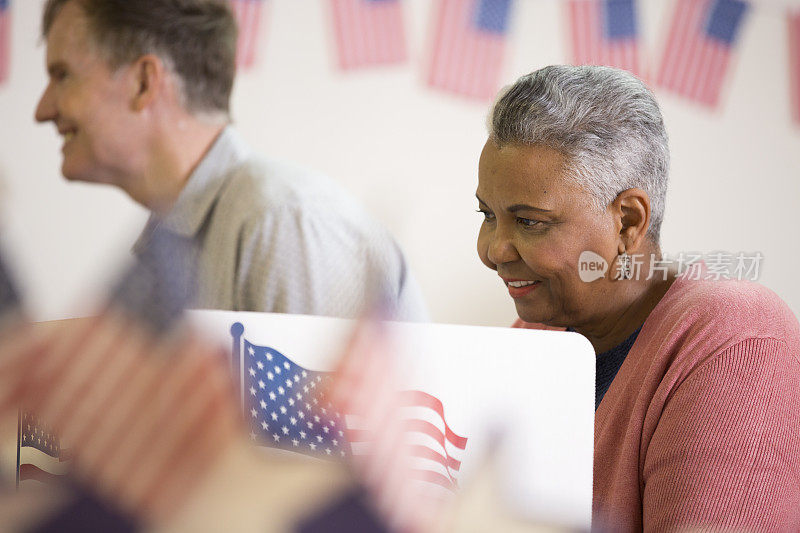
(701, 426)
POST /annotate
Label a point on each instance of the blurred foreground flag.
(794, 62)
(248, 19)
(369, 32)
(699, 46)
(605, 32)
(468, 46)
(5, 39)
(403, 449)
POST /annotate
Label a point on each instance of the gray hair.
(605, 121)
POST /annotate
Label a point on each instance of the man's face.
(89, 104)
(536, 226)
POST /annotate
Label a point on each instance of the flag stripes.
(699, 47)
(368, 32)
(248, 15)
(469, 42)
(604, 32)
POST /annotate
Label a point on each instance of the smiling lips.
(518, 288)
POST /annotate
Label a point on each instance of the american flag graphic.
(404, 450)
(699, 48)
(605, 32)
(39, 455)
(322, 414)
(794, 62)
(248, 15)
(468, 46)
(5, 39)
(369, 32)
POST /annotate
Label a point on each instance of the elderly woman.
(698, 381)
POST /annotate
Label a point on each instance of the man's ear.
(633, 209)
(149, 75)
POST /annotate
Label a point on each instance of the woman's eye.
(487, 215)
(528, 223)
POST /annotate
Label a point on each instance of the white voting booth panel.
(528, 395)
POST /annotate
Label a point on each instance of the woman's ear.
(633, 209)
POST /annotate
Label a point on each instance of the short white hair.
(604, 120)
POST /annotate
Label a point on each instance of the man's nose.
(46, 109)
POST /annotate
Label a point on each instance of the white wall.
(411, 155)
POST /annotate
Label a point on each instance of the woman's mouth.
(518, 288)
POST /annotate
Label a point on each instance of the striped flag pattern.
(369, 32)
(5, 39)
(403, 449)
(605, 32)
(468, 46)
(794, 62)
(699, 47)
(248, 15)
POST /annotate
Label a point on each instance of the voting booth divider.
(525, 395)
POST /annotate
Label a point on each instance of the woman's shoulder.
(731, 308)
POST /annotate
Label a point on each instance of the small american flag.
(369, 32)
(699, 48)
(248, 19)
(39, 455)
(5, 39)
(469, 41)
(794, 62)
(287, 405)
(605, 32)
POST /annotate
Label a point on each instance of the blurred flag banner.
(468, 46)
(368, 32)
(248, 15)
(794, 62)
(5, 39)
(605, 32)
(39, 455)
(699, 47)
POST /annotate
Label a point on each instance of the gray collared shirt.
(277, 238)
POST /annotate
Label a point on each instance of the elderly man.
(140, 91)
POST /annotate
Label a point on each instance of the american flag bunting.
(699, 48)
(793, 18)
(468, 46)
(605, 32)
(368, 32)
(39, 454)
(5, 39)
(248, 15)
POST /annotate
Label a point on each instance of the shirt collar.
(198, 195)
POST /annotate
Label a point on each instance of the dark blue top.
(608, 364)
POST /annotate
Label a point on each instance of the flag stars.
(272, 396)
(265, 427)
(285, 430)
(304, 374)
(263, 404)
(254, 413)
(312, 446)
(305, 388)
(316, 418)
(296, 378)
(341, 433)
(261, 385)
(335, 442)
(277, 369)
(293, 421)
(252, 436)
(276, 437)
(325, 429)
(274, 415)
(288, 382)
(319, 438)
(319, 378)
(269, 356)
(251, 351)
(252, 371)
(295, 442)
(328, 451)
(252, 391)
(270, 376)
(301, 414)
(283, 409)
(286, 365)
(303, 435)
(281, 391)
(260, 365)
(310, 425)
(298, 396)
(291, 401)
